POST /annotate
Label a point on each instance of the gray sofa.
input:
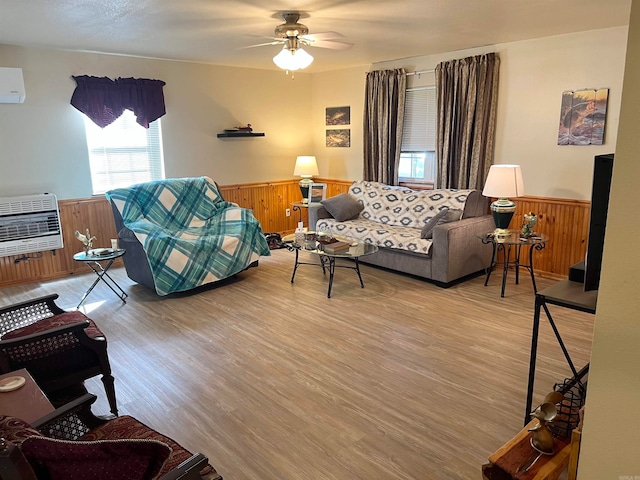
(394, 218)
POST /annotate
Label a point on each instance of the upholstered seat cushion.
(60, 320)
(128, 427)
(375, 233)
(123, 459)
(15, 430)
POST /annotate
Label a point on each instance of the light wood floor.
(272, 380)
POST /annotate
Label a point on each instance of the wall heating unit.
(29, 223)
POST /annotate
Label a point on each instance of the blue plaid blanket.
(191, 236)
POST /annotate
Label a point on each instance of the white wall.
(339, 88)
(43, 147)
(611, 436)
(42, 141)
(533, 75)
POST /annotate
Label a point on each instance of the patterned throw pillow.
(342, 207)
(446, 215)
(113, 459)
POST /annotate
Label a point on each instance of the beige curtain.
(383, 116)
(467, 104)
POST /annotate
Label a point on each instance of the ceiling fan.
(292, 35)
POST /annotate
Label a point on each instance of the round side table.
(94, 262)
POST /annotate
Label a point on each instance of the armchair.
(180, 233)
(71, 443)
(59, 349)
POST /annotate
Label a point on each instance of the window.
(123, 153)
(418, 155)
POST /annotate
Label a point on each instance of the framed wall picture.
(338, 137)
(338, 115)
(317, 192)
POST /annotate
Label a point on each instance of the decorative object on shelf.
(317, 192)
(239, 131)
(306, 167)
(503, 181)
(87, 240)
(530, 220)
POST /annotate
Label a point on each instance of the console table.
(567, 294)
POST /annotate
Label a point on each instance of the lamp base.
(305, 183)
(502, 211)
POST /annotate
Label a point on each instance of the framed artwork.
(339, 137)
(582, 117)
(317, 192)
(338, 115)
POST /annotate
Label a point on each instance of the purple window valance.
(103, 100)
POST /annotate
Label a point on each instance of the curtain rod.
(411, 73)
(420, 72)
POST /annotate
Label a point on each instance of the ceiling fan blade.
(328, 44)
(275, 42)
(322, 36)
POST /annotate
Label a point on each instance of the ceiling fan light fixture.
(292, 60)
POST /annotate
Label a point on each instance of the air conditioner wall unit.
(11, 85)
(29, 223)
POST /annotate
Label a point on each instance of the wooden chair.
(72, 443)
(59, 349)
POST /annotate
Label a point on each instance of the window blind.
(419, 129)
(124, 153)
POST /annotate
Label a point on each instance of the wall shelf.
(240, 134)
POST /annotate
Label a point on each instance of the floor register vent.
(29, 223)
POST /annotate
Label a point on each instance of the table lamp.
(306, 167)
(502, 182)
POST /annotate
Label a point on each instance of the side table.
(567, 294)
(298, 206)
(511, 247)
(28, 402)
(94, 263)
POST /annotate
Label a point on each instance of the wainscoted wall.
(564, 221)
(269, 201)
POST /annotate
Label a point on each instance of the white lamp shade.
(306, 166)
(297, 60)
(504, 181)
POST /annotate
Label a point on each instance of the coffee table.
(328, 260)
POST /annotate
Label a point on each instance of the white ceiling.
(215, 31)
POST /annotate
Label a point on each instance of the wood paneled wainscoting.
(269, 201)
(564, 221)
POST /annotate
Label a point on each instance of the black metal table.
(567, 294)
(328, 260)
(94, 263)
(511, 248)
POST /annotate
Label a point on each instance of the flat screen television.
(602, 172)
